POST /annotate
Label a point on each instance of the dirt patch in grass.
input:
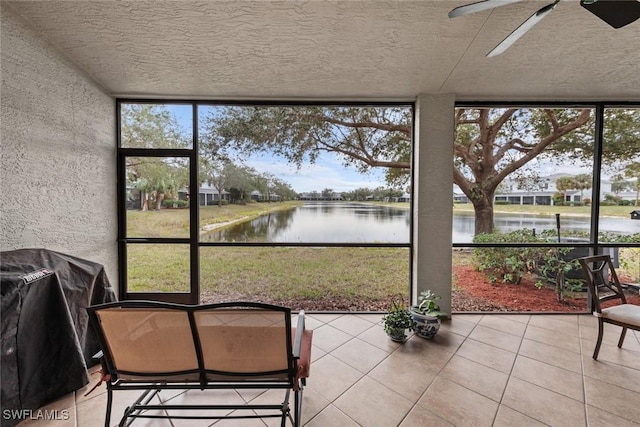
(337, 304)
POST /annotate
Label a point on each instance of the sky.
(327, 172)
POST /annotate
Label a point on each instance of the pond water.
(343, 222)
(322, 222)
(463, 224)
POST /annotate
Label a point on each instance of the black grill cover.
(47, 343)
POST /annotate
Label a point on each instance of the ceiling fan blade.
(478, 6)
(522, 29)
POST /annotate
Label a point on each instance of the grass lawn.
(175, 222)
(618, 211)
(371, 275)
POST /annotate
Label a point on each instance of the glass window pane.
(156, 126)
(620, 185)
(158, 268)
(157, 198)
(310, 278)
(515, 169)
(627, 263)
(305, 174)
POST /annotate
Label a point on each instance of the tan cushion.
(625, 313)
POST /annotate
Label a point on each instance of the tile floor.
(480, 370)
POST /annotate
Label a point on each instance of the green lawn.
(621, 211)
(175, 222)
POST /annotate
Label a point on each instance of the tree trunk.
(144, 197)
(483, 208)
(159, 198)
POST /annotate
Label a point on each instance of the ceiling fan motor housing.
(616, 13)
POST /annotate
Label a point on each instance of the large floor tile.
(607, 372)
(458, 325)
(407, 377)
(504, 324)
(372, 404)
(613, 399)
(474, 376)
(487, 355)
(352, 325)
(458, 405)
(360, 355)
(551, 355)
(332, 416)
(507, 417)
(565, 324)
(560, 339)
(331, 377)
(556, 379)
(202, 397)
(496, 338)
(421, 417)
(329, 338)
(596, 417)
(543, 405)
(377, 336)
(424, 351)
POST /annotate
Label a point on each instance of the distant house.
(319, 196)
(541, 192)
(207, 195)
(401, 199)
(259, 197)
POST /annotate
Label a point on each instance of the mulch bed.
(476, 293)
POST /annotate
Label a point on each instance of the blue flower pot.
(425, 326)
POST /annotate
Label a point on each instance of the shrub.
(507, 264)
(181, 204)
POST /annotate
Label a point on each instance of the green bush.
(170, 204)
(507, 264)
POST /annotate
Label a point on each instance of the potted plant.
(426, 316)
(396, 322)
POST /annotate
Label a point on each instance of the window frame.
(193, 297)
(594, 245)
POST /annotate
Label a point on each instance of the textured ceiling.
(358, 50)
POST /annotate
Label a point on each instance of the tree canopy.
(489, 143)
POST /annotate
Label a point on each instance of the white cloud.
(327, 172)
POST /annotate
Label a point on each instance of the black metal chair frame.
(158, 382)
(595, 268)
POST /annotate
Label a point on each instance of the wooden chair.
(605, 287)
(153, 346)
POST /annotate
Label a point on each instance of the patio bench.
(154, 346)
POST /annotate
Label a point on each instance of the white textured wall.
(433, 177)
(58, 169)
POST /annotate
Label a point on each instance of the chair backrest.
(215, 342)
(602, 280)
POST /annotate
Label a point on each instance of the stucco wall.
(57, 179)
(433, 216)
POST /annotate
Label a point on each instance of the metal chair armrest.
(297, 343)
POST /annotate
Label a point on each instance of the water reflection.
(322, 222)
(464, 227)
(338, 222)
